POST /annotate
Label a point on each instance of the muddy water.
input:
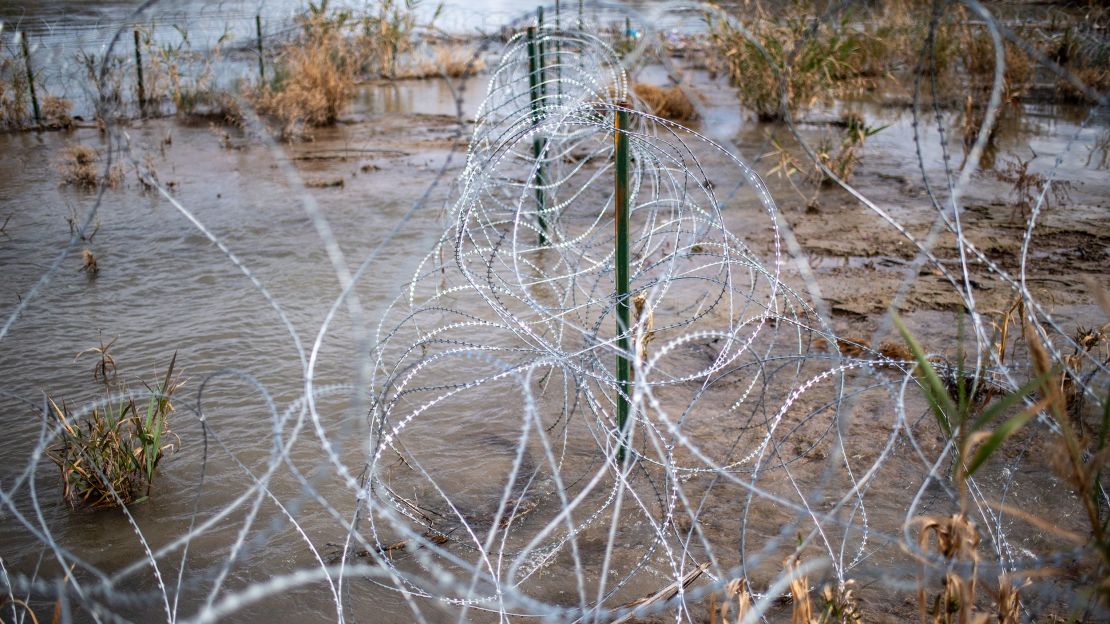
(163, 287)
(202, 307)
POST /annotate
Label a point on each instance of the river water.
(166, 287)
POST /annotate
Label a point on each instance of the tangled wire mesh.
(755, 432)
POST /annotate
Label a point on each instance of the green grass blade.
(998, 436)
(1008, 401)
(935, 391)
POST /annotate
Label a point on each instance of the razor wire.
(509, 320)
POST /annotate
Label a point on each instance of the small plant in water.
(89, 264)
(109, 457)
(105, 369)
(964, 412)
(1028, 187)
(79, 167)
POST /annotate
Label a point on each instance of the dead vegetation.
(453, 60)
(80, 166)
(783, 68)
(836, 154)
(670, 102)
(790, 63)
(88, 263)
(316, 72)
(314, 76)
(1029, 187)
(332, 182)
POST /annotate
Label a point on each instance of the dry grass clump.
(55, 113)
(315, 75)
(809, 66)
(670, 102)
(109, 456)
(450, 60)
(14, 101)
(79, 166)
(88, 263)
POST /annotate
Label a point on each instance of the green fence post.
(535, 73)
(139, 73)
(30, 78)
(258, 37)
(624, 314)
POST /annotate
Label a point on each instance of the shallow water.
(164, 287)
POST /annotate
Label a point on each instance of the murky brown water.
(164, 286)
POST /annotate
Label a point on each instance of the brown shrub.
(55, 113)
(316, 75)
(79, 166)
(670, 102)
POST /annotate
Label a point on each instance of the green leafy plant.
(961, 403)
(965, 410)
(109, 457)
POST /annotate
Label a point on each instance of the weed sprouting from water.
(105, 369)
(1029, 187)
(89, 264)
(80, 167)
(109, 456)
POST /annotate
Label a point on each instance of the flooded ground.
(236, 277)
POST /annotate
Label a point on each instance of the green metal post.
(139, 72)
(558, 54)
(30, 78)
(535, 73)
(540, 51)
(261, 59)
(624, 312)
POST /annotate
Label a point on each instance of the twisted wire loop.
(520, 329)
(485, 481)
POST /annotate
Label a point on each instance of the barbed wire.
(503, 353)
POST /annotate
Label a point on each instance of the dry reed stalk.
(802, 605)
(957, 539)
(737, 590)
(89, 264)
(1009, 601)
(646, 322)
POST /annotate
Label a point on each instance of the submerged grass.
(80, 166)
(109, 457)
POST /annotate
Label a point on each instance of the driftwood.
(663, 595)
